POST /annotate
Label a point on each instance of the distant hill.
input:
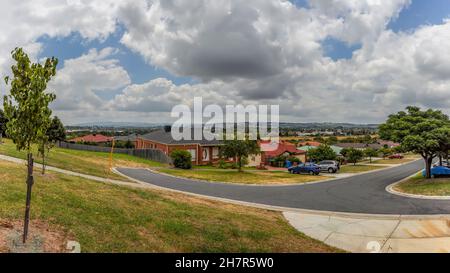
(312, 125)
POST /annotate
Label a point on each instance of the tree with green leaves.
(370, 153)
(240, 150)
(27, 109)
(321, 153)
(385, 152)
(421, 132)
(354, 155)
(3, 121)
(55, 133)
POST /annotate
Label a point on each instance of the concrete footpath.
(376, 234)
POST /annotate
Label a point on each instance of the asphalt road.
(358, 194)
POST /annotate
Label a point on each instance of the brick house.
(94, 138)
(271, 150)
(203, 152)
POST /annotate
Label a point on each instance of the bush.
(182, 159)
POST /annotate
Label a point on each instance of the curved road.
(358, 194)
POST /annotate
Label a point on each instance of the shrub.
(182, 159)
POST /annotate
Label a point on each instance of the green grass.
(358, 168)
(393, 161)
(92, 163)
(431, 187)
(249, 177)
(108, 218)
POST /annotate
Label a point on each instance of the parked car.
(438, 171)
(329, 166)
(396, 156)
(445, 163)
(311, 169)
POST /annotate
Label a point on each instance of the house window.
(215, 152)
(193, 154)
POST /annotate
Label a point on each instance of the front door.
(206, 154)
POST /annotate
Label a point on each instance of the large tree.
(421, 132)
(26, 108)
(240, 150)
(354, 155)
(321, 153)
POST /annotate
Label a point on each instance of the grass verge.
(109, 218)
(421, 186)
(245, 177)
(358, 168)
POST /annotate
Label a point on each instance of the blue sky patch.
(337, 50)
(421, 12)
(73, 46)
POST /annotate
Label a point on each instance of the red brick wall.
(168, 149)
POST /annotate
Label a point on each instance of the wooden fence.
(150, 154)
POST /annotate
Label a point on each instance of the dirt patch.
(54, 241)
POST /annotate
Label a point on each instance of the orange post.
(111, 155)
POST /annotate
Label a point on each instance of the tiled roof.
(164, 137)
(360, 145)
(96, 138)
(276, 149)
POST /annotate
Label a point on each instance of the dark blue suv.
(311, 169)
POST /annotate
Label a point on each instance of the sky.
(320, 60)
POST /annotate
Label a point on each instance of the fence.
(150, 154)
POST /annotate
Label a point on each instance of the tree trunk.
(43, 164)
(440, 160)
(30, 182)
(428, 163)
(239, 163)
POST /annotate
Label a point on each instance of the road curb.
(390, 189)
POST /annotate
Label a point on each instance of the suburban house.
(270, 150)
(203, 151)
(94, 138)
(336, 149)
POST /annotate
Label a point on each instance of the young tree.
(3, 121)
(354, 155)
(370, 152)
(386, 152)
(240, 149)
(56, 132)
(26, 108)
(323, 152)
(418, 131)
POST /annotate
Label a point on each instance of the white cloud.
(240, 52)
(77, 83)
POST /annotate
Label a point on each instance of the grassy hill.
(92, 163)
(109, 218)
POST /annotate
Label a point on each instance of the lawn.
(246, 177)
(109, 218)
(419, 185)
(394, 161)
(92, 163)
(358, 168)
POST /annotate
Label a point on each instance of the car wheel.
(331, 170)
